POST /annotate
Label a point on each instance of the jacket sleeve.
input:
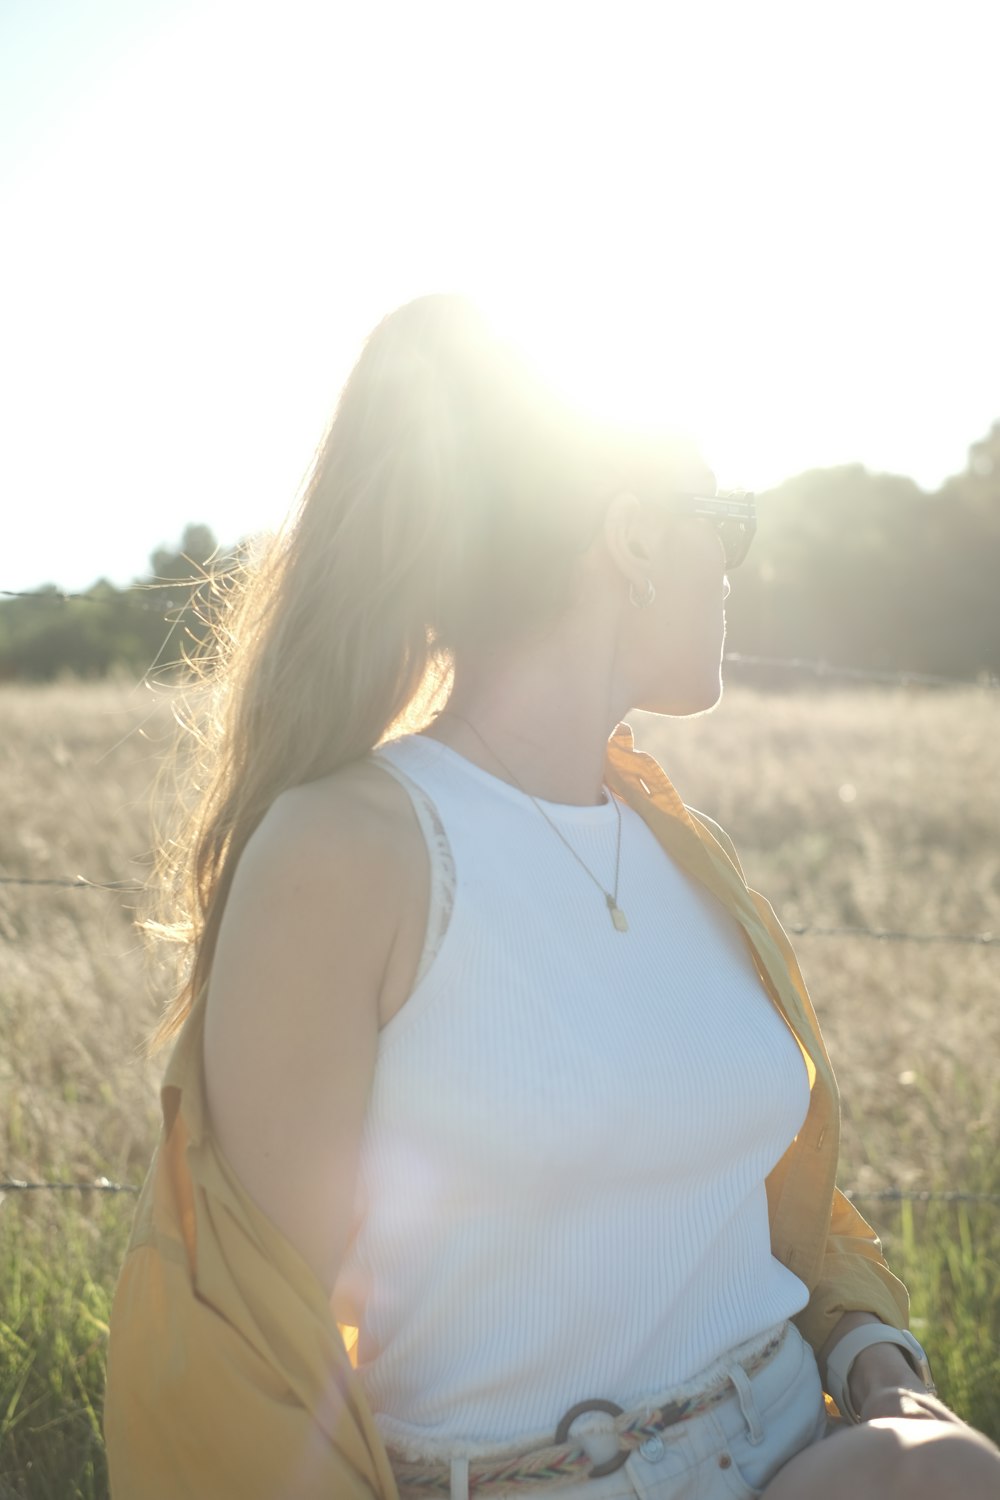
(192, 1409)
(854, 1278)
(853, 1274)
(227, 1379)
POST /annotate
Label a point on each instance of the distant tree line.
(868, 570)
(850, 568)
(152, 625)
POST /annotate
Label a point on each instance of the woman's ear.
(626, 531)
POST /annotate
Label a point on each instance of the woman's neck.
(541, 722)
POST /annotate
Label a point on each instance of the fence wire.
(986, 682)
(137, 595)
(881, 935)
(99, 1185)
(797, 929)
(870, 1195)
(76, 883)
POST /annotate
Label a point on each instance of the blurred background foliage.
(849, 568)
(868, 570)
(150, 626)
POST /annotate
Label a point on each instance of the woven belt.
(567, 1462)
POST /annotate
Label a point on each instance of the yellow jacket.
(228, 1378)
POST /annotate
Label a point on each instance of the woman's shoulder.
(348, 849)
(358, 813)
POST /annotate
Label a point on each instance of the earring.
(647, 598)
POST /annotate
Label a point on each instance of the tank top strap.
(442, 863)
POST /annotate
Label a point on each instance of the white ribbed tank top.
(561, 1179)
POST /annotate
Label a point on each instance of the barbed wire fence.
(871, 1195)
(831, 671)
(139, 596)
(798, 929)
(826, 671)
(155, 585)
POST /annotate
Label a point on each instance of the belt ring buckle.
(566, 1422)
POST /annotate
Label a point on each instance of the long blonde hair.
(445, 510)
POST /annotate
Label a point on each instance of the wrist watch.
(847, 1349)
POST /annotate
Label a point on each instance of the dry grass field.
(879, 810)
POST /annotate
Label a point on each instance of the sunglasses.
(733, 513)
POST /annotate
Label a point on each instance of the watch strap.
(847, 1349)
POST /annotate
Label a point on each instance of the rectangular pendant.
(618, 917)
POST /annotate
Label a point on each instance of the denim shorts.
(730, 1452)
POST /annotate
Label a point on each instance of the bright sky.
(774, 223)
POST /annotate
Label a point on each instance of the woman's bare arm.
(292, 1015)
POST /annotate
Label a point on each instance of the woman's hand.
(900, 1401)
(884, 1384)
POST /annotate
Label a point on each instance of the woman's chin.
(682, 701)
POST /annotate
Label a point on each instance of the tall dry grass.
(869, 809)
(877, 810)
(77, 765)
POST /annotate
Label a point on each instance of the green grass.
(58, 1263)
(948, 1254)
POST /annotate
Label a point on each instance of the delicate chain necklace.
(617, 915)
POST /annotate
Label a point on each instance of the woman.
(486, 1049)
